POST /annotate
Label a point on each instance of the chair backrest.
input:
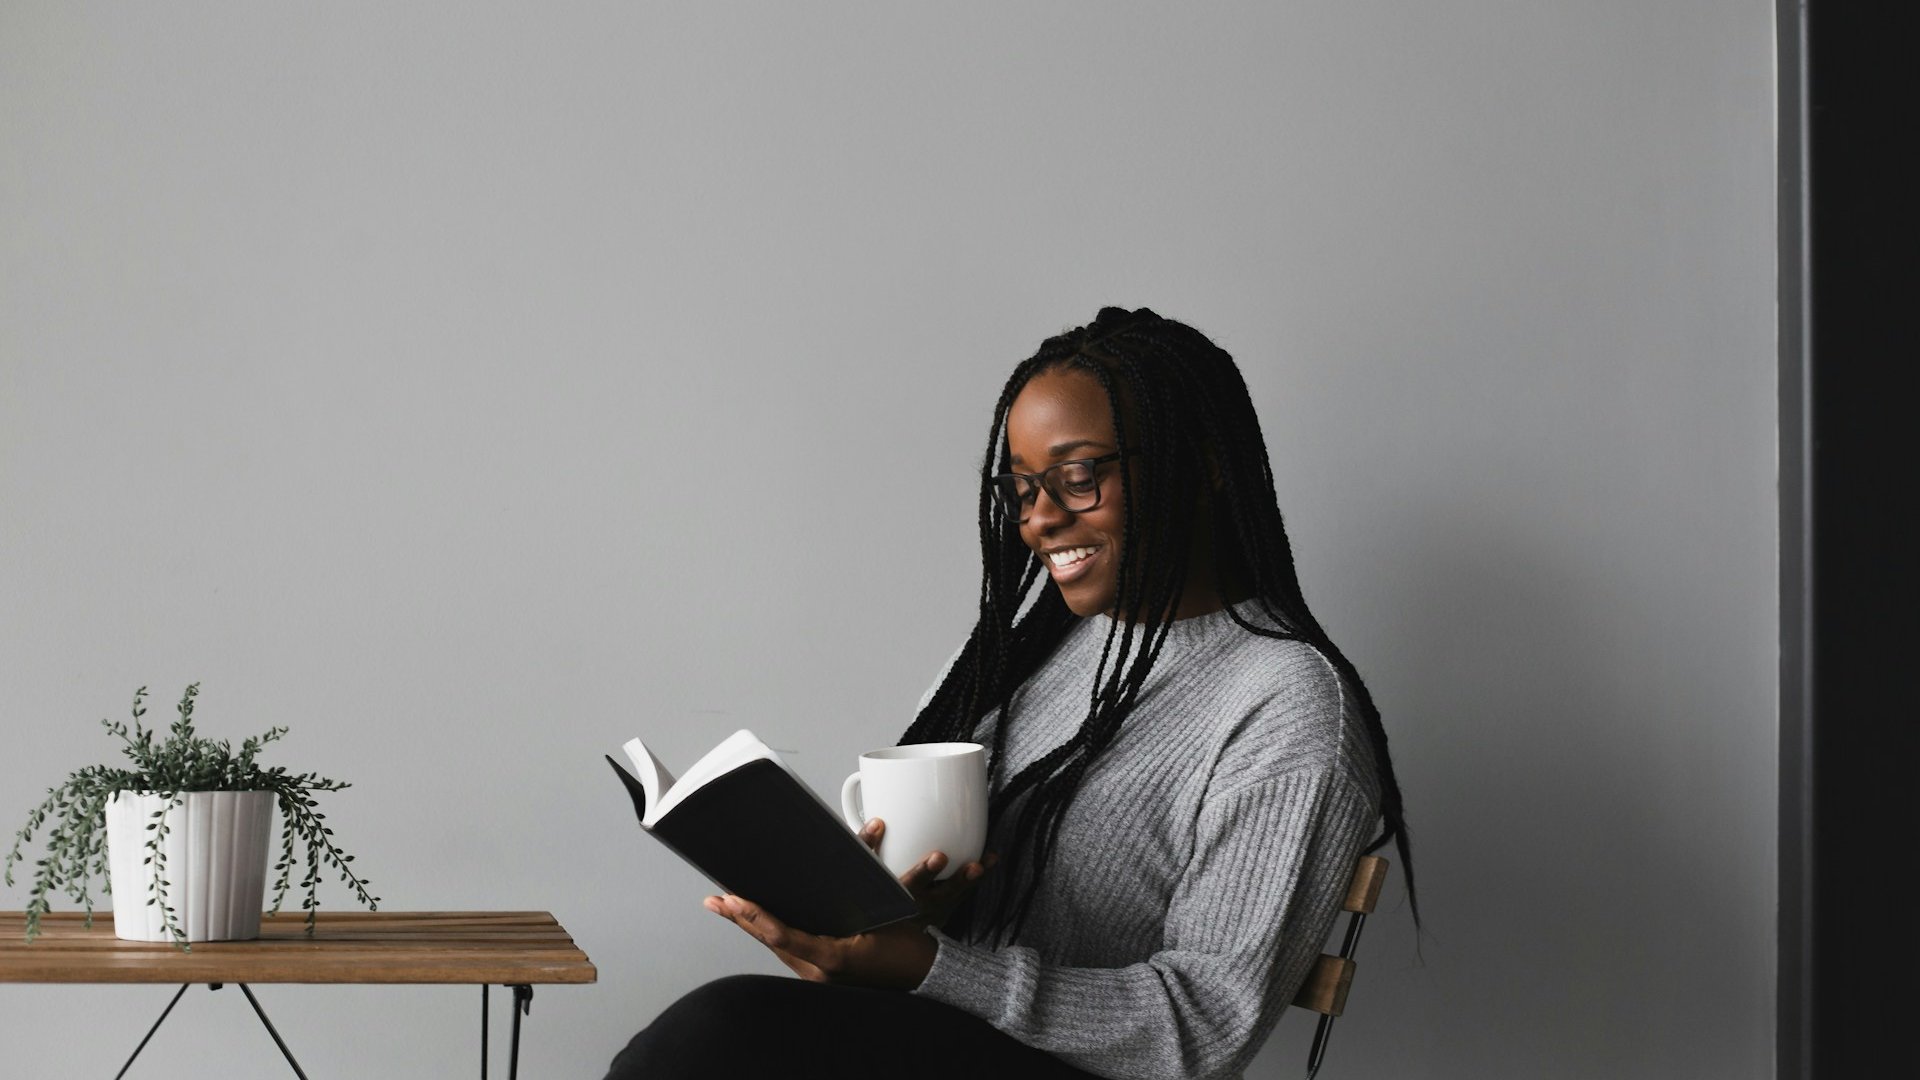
(1325, 990)
(1326, 987)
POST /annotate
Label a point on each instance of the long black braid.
(1181, 410)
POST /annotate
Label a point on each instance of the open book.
(743, 819)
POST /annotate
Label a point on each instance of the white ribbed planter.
(216, 855)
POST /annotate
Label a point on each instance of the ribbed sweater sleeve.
(1199, 867)
(1242, 930)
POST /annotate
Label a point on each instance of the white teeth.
(1070, 556)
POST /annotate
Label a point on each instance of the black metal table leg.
(251, 1000)
(522, 1006)
(156, 1027)
(277, 1040)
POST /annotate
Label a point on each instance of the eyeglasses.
(1074, 486)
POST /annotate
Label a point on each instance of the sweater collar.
(1192, 631)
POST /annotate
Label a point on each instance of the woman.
(1184, 767)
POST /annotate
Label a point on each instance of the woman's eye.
(1077, 479)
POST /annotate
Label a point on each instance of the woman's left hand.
(896, 957)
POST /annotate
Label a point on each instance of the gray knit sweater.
(1200, 866)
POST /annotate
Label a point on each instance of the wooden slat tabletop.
(500, 947)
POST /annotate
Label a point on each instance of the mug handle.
(850, 801)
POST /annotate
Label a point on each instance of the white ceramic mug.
(933, 797)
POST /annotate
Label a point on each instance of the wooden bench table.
(520, 949)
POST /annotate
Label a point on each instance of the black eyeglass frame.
(1045, 480)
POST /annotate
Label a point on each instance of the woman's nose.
(1045, 510)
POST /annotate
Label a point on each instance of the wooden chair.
(1325, 990)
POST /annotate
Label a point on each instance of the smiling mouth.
(1071, 563)
(1069, 556)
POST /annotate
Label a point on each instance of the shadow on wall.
(1547, 725)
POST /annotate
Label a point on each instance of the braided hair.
(1179, 406)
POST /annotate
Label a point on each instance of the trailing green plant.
(76, 850)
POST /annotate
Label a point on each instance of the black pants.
(747, 1026)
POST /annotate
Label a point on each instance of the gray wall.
(460, 387)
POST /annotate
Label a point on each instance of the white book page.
(655, 779)
(734, 751)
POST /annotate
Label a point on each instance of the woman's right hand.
(937, 899)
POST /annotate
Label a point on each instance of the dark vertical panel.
(1860, 135)
(1793, 1015)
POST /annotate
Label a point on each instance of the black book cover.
(758, 833)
